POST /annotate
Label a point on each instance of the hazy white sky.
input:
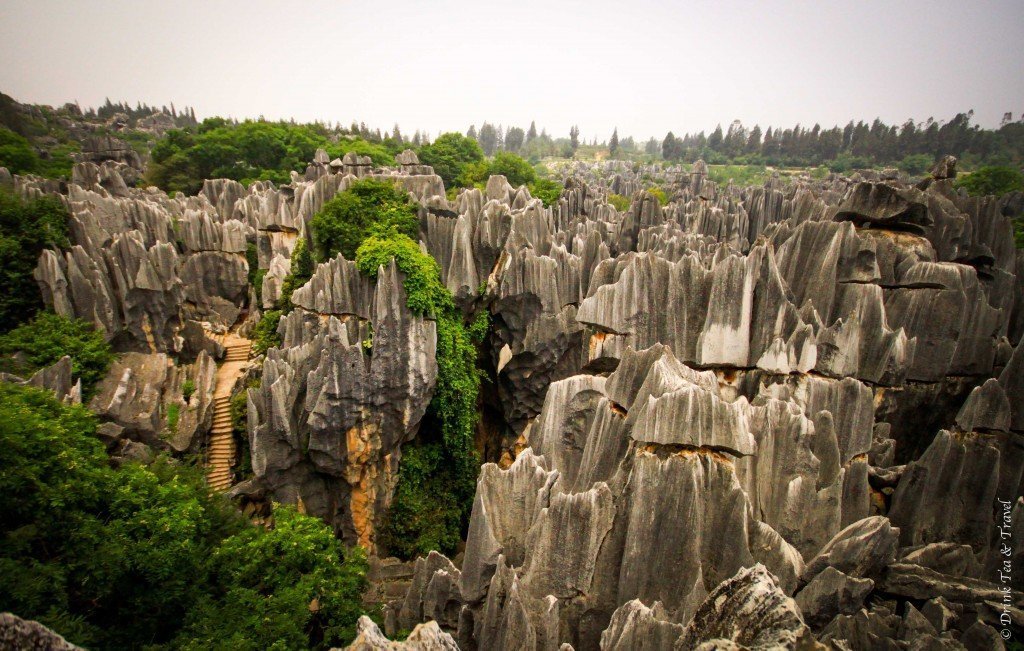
(644, 66)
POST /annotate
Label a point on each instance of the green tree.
(993, 179)
(17, 154)
(26, 228)
(246, 151)
(367, 206)
(449, 155)
(287, 588)
(516, 170)
(546, 190)
(613, 144)
(131, 557)
(48, 337)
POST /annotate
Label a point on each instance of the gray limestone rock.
(29, 635)
(831, 593)
(863, 549)
(425, 637)
(748, 610)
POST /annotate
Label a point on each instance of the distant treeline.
(856, 145)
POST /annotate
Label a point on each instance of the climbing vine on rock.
(438, 473)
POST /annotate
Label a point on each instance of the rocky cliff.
(764, 417)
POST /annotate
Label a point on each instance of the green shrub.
(135, 556)
(916, 164)
(449, 155)
(291, 587)
(368, 206)
(26, 228)
(741, 175)
(430, 509)
(658, 194)
(247, 151)
(17, 153)
(619, 202)
(188, 387)
(993, 179)
(48, 337)
(173, 412)
(546, 190)
(516, 170)
(264, 335)
(301, 270)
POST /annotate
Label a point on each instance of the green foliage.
(247, 151)
(367, 207)
(264, 335)
(658, 194)
(17, 153)
(124, 557)
(274, 588)
(619, 202)
(546, 190)
(437, 477)
(479, 326)
(916, 164)
(449, 155)
(516, 170)
(378, 153)
(173, 412)
(994, 180)
(188, 387)
(26, 228)
(741, 175)
(301, 270)
(48, 337)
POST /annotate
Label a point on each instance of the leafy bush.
(993, 179)
(26, 228)
(449, 155)
(17, 153)
(658, 194)
(188, 387)
(916, 164)
(741, 175)
(619, 202)
(273, 588)
(516, 170)
(301, 270)
(430, 509)
(48, 337)
(368, 206)
(546, 190)
(378, 153)
(132, 556)
(264, 335)
(173, 412)
(247, 151)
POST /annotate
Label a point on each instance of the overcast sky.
(644, 66)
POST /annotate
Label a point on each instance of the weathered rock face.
(676, 371)
(28, 635)
(708, 397)
(424, 637)
(349, 384)
(144, 395)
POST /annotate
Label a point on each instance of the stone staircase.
(220, 455)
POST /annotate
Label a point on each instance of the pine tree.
(531, 135)
(613, 144)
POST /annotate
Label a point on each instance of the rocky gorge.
(779, 416)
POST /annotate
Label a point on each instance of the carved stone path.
(220, 455)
